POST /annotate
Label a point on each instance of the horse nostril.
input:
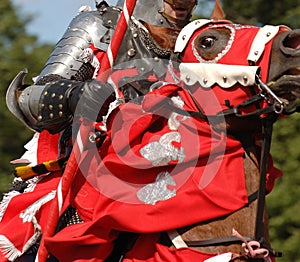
(292, 41)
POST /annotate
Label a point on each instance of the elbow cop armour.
(52, 107)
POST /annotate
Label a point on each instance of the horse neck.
(243, 220)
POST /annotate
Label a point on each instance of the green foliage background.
(19, 49)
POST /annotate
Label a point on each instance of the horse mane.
(165, 37)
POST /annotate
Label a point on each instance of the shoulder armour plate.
(85, 29)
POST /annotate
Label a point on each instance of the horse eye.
(207, 42)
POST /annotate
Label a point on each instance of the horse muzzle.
(284, 73)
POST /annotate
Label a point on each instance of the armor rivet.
(135, 35)
(69, 85)
(51, 115)
(50, 107)
(205, 81)
(60, 97)
(156, 59)
(142, 69)
(245, 79)
(161, 21)
(60, 114)
(39, 118)
(46, 93)
(183, 37)
(42, 106)
(256, 52)
(71, 66)
(188, 78)
(268, 34)
(62, 84)
(60, 106)
(224, 79)
(109, 22)
(53, 95)
(131, 52)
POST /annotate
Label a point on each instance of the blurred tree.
(18, 49)
(264, 12)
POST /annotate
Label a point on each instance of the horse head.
(241, 70)
(239, 76)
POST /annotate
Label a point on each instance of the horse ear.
(217, 13)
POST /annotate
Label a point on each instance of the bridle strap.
(265, 151)
(216, 241)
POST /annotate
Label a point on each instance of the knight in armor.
(76, 60)
(48, 105)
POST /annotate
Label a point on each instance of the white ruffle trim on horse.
(8, 249)
(29, 213)
(5, 201)
(11, 252)
(28, 216)
(7, 197)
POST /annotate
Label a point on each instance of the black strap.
(252, 197)
(265, 150)
(215, 241)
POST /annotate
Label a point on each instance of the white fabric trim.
(28, 216)
(176, 239)
(10, 195)
(263, 36)
(5, 201)
(224, 75)
(8, 249)
(186, 33)
(29, 213)
(226, 257)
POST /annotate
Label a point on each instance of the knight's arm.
(49, 104)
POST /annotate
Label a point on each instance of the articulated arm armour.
(67, 59)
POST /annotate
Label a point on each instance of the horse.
(207, 50)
